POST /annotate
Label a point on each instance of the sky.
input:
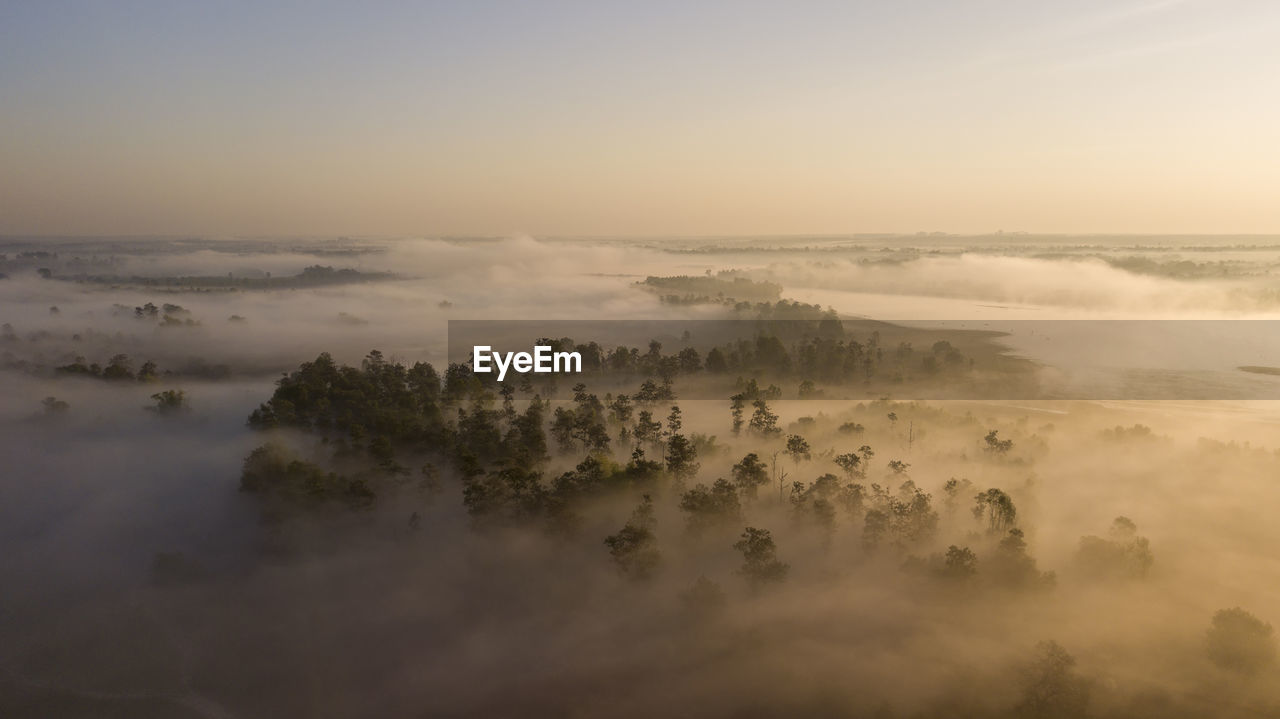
(639, 118)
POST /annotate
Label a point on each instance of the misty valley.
(861, 476)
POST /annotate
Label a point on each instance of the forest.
(910, 360)
(227, 504)
(814, 501)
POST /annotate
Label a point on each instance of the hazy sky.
(619, 118)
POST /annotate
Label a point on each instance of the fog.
(142, 577)
(1067, 287)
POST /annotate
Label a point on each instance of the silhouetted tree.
(716, 362)
(681, 457)
(148, 372)
(170, 401)
(647, 430)
(118, 368)
(959, 563)
(1051, 689)
(689, 361)
(760, 564)
(1122, 554)
(798, 448)
(736, 406)
(53, 406)
(875, 527)
(1011, 566)
(997, 508)
(712, 506)
(995, 445)
(763, 421)
(634, 548)
(1240, 642)
(750, 474)
(954, 489)
(850, 463)
(675, 421)
(620, 409)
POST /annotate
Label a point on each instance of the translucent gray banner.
(823, 357)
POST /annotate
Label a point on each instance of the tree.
(170, 401)
(1051, 688)
(148, 372)
(620, 409)
(525, 443)
(647, 430)
(641, 471)
(1240, 642)
(508, 494)
(380, 449)
(634, 548)
(716, 362)
(959, 563)
(1012, 567)
(460, 382)
(712, 506)
(771, 355)
(760, 564)
(689, 361)
(998, 509)
(911, 519)
(798, 448)
(898, 466)
(852, 497)
(764, 421)
(874, 528)
(749, 475)
(995, 445)
(273, 471)
(479, 433)
(737, 404)
(953, 489)
(1121, 555)
(851, 428)
(118, 368)
(813, 504)
(850, 463)
(585, 424)
(593, 435)
(54, 406)
(650, 391)
(508, 392)
(681, 457)
(674, 421)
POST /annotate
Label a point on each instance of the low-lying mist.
(366, 545)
